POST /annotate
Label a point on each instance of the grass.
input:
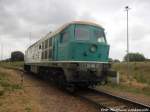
(137, 80)
(28, 109)
(138, 71)
(12, 95)
(15, 65)
(6, 85)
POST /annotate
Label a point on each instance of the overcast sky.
(20, 17)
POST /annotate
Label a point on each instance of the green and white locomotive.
(74, 55)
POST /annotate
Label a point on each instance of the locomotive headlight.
(93, 48)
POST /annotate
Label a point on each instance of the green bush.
(134, 57)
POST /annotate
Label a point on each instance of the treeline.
(134, 57)
(131, 57)
(15, 56)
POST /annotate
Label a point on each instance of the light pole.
(29, 38)
(1, 52)
(127, 9)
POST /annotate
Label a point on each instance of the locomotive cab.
(82, 42)
(90, 44)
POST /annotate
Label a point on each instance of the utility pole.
(1, 51)
(127, 9)
(29, 38)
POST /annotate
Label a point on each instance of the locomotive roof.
(50, 34)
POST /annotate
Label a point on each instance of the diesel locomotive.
(75, 55)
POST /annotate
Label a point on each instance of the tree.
(116, 60)
(134, 57)
(17, 56)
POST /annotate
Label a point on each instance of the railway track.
(107, 102)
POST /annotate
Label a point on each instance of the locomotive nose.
(89, 51)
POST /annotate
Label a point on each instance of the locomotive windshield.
(87, 32)
(100, 36)
(82, 32)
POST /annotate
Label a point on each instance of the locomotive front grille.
(90, 66)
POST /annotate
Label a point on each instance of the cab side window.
(64, 37)
(42, 45)
(46, 44)
(50, 42)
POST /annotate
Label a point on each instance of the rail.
(108, 102)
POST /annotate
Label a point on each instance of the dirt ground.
(39, 96)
